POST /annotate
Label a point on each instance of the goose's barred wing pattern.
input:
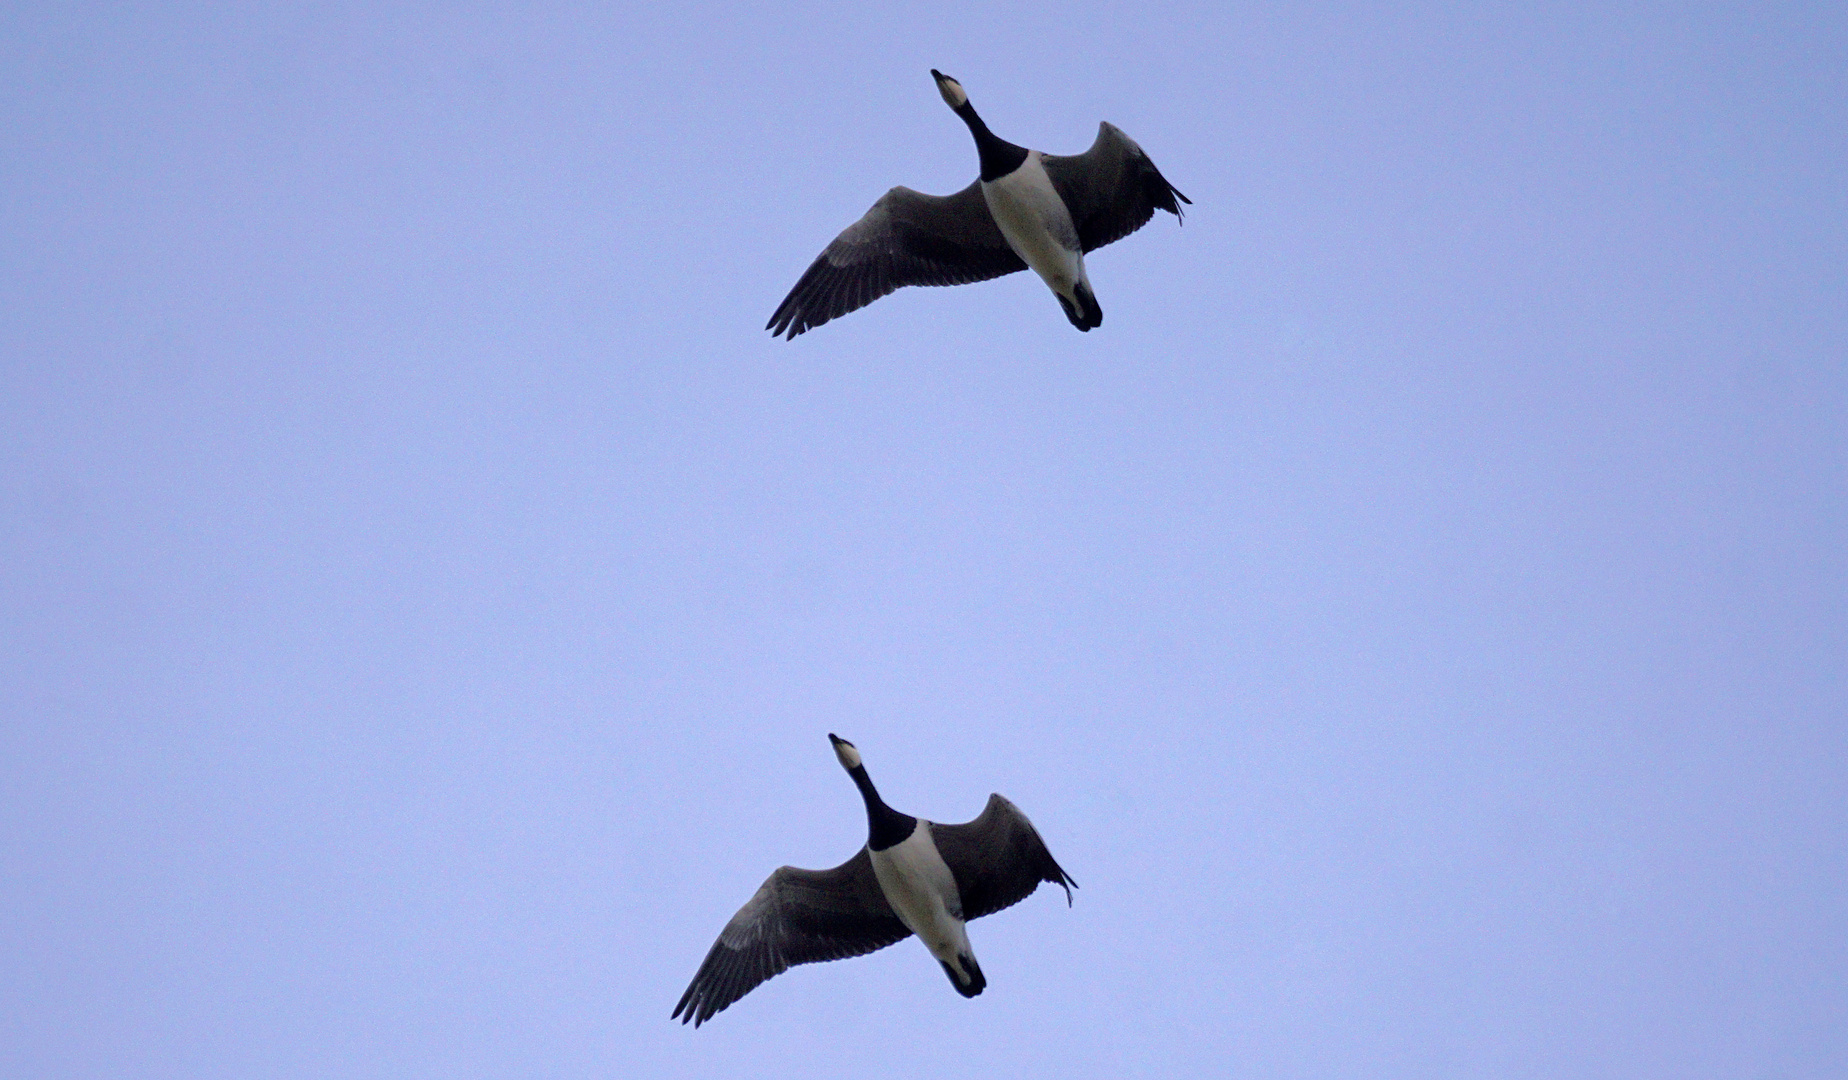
(998, 859)
(907, 238)
(796, 917)
(1112, 189)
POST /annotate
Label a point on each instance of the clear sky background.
(1417, 617)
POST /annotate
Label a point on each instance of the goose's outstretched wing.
(907, 238)
(796, 917)
(998, 859)
(1112, 189)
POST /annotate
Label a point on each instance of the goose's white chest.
(922, 891)
(1035, 222)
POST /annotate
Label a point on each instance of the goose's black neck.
(999, 157)
(885, 826)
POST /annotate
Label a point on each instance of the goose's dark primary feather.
(796, 917)
(1112, 189)
(907, 238)
(998, 859)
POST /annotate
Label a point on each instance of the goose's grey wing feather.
(796, 917)
(998, 859)
(1112, 189)
(907, 238)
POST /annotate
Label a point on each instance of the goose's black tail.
(977, 981)
(1087, 313)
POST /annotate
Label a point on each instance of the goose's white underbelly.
(1036, 223)
(919, 886)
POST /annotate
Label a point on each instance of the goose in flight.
(912, 877)
(1029, 209)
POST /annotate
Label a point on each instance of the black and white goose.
(912, 877)
(1028, 210)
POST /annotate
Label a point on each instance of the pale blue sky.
(1416, 616)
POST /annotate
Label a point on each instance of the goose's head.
(952, 91)
(846, 751)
